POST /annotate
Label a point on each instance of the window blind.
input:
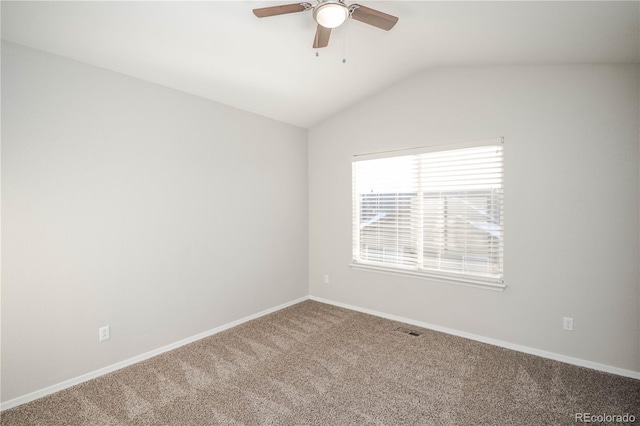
(437, 213)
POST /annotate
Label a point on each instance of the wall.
(571, 204)
(127, 204)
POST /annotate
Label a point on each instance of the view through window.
(438, 212)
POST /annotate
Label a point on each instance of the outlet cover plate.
(103, 333)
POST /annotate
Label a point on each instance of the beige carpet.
(316, 364)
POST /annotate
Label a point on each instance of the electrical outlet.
(326, 279)
(567, 323)
(103, 333)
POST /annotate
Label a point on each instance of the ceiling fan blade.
(264, 12)
(322, 37)
(373, 17)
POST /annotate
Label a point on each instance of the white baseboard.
(544, 354)
(94, 374)
(117, 366)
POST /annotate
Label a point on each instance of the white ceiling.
(219, 50)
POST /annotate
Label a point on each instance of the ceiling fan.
(331, 14)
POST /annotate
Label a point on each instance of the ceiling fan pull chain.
(344, 43)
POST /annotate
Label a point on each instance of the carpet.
(317, 364)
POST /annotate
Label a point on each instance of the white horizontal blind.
(385, 191)
(437, 212)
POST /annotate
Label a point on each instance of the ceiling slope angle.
(220, 51)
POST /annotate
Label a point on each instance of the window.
(435, 212)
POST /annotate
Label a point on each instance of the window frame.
(468, 279)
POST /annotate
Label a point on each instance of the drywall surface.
(571, 204)
(127, 204)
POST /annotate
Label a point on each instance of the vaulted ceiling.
(219, 50)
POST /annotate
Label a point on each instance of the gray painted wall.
(127, 204)
(571, 204)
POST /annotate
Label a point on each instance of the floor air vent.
(408, 331)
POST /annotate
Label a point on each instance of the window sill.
(488, 284)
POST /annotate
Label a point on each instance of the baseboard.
(544, 354)
(525, 349)
(94, 374)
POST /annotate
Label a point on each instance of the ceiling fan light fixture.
(331, 14)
